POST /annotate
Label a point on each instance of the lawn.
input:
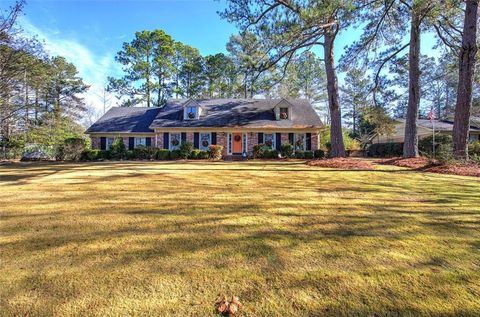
(165, 239)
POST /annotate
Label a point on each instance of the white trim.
(229, 143)
(244, 143)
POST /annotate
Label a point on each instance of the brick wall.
(159, 143)
(315, 141)
(222, 138)
(252, 140)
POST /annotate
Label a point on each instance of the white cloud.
(93, 68)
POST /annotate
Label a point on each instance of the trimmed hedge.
(299, 154)
(385, 149)
(163, 155)
(319, 154)
(309, 155)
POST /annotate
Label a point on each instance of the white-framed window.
(299, 142)
(109, 142)
(284, 113)
(191, 112)
(140, 141)
(269, 140)
(175, 141)
(205, 141)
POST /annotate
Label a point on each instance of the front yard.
(165, 239)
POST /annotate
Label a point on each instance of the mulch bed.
(426, 165)
(342, 163)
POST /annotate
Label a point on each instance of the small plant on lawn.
(186, 150)
(215, 152)
(287, 150)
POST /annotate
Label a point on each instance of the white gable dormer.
(283, 110)
(191, 110)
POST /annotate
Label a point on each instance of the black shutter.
(148, 141)
(214, 138)
(184, 137)
(103, 143)
(260, 138)
(308, 139)
(290, 138)
(196, 140)
(131, 143)
(278, 141)
(166, 140)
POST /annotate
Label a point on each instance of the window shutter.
(214, 138)
(131, 143)
(290, 138)
(278, 141)
(148, 141)
(166, 140)
(308, 140)
(196, 140)
(260, 138)
(103, 143)
(184, 137)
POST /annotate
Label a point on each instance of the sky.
(88, 33)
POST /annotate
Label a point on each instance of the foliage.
(425, 145)
(474, 149)
(72, 149)
(299, 154)
(203, 155)
(286, 150)
(175, 155)
(130, 155)
(117, 149)
(186, 150)
(39, 152)
(142, 152)
(349, 143)
(215, 152)
(163, 154)
(259, 150)
(319, 154)
(91, 155)
(385, 149)
(309, 155)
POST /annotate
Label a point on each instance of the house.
(235, 124)
(425, 129)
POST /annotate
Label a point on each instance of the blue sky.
(90, 32)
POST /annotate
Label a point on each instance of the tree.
(147, 63)
(467, 58)
(191, 74)
(220, 76)
(356, 96)
(288, 27)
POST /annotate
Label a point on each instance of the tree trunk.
(410, 147)
(336, 136)
(461, 125)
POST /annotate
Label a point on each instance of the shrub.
(319, 154)
(71, 149)
(385, 149)
(215, 152)
(175, 154)
(309, 155)
(130, 155)
(145, 152)
(286, 150)
(163, 154)
(186, 150)
(299, 154)
(259, 150)
(270, 154)
(194, 154)
(474, 149)
(202, 155)
(442, 142)
(117, 149)
(39, 152)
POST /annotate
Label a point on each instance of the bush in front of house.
(319, 154)
(95, 155)
(308, 155)
(163, 155)
(130, 155)
(299, 154)
(425, 145)
(194, 154)
(270, 154)
(202, 155)
(215, 152)
(186, 150)
(385, 149)
(175, 154)
(39, 152)
(286, 150)
(259, 150)
(145, 152)
(71, 149)
(474, 150)
(118, 150)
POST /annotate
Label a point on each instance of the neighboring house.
(425, 129)
(235, 124)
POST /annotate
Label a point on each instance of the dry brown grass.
(165, 239)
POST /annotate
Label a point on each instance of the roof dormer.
(191, 110)
(283, 110)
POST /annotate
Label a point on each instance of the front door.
(237, 143)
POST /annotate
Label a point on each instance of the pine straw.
(342, 163)
(427, 165)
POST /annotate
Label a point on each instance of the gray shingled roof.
(441, 125)
(245, 113)
(123, 119)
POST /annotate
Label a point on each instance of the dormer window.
(191, 112)
(283, 113)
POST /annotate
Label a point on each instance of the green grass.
(164, 239)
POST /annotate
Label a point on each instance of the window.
(140, 141)
(175, 141)
(244, 143)
(229, 143)
(109, 143)
(283, 113)
(269, 140)
(299, 142)
(191, 112)
(205, 141)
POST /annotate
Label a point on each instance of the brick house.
(236, 124)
